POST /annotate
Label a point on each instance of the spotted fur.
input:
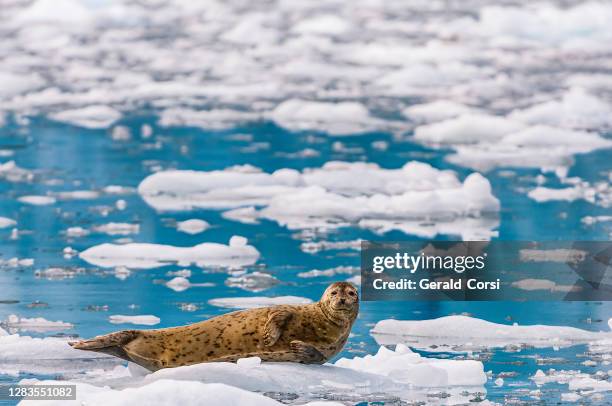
(309, 334)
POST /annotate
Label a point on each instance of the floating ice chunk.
(47, 356)
(544, 194)
(542, 284)
(405, 366)
(545, 23)
(437, 111)
(192, 226)
(339, 270)
(312, 247)
(539, 146)
(37, 200)
(245, 215)
(464, 333)
(576, 109)
(570, 397)
(467, 129)
(400, 373)
(35, 324)
(117, 228)
(181, 283)
(253, 282)
(145, 320)
(335, 195)
(163, 392)
(16, 262)
(55, 11)
(257, 301)
(421, 78)
(178, 283)
(93, 117)
(56, 273)
(78, 195)
(206, 119)
(7, 222)
(143, 256)
(322, 24)
(13, 84)
(590, 384)
(562, 255)
(13, 173)
(75, 232)
(343, 118)
(315, 207)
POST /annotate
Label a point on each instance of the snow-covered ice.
(144, 256)
(36, 324)
(463, 333)
(37, 200)
(192, 226)
(93, 117)
(335, 195)
(6, 222)
(401, 374)
(143, 319)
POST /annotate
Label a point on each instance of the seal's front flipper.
(111, 344)
(308, 353)
(277, 320)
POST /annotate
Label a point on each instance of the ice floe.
(335, 195)
(339, 270)
(6, 222)
(145, 319)
(463, 333)
(399, 374)
(163, 392)
(206, 119)
(48, 356)
(144, 256)
(409, 367)
(37, 200)
(36, 324)
(253, 282)
(117, 228)
(181, 283)
(344, 118)
(192, 226)
(93, 117)
(250, 302)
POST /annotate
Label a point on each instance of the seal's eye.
(334, 293)
(351, 293)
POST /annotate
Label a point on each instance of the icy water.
(66, 158)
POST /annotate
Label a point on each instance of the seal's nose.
(342, 301)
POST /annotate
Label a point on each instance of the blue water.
(90, 159)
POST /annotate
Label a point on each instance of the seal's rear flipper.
(111, 344)
(308, 354)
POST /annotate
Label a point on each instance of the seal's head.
(341, 297)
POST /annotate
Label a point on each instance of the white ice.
(336, 195)
(6, 222)
(466, 333)
(143, 319)
(93, 117)
(144, 256)
(192, 226)
(36, 324)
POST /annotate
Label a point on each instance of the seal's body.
(309, 334)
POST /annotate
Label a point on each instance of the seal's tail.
(111, 344)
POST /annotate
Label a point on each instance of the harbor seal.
(308, 334)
